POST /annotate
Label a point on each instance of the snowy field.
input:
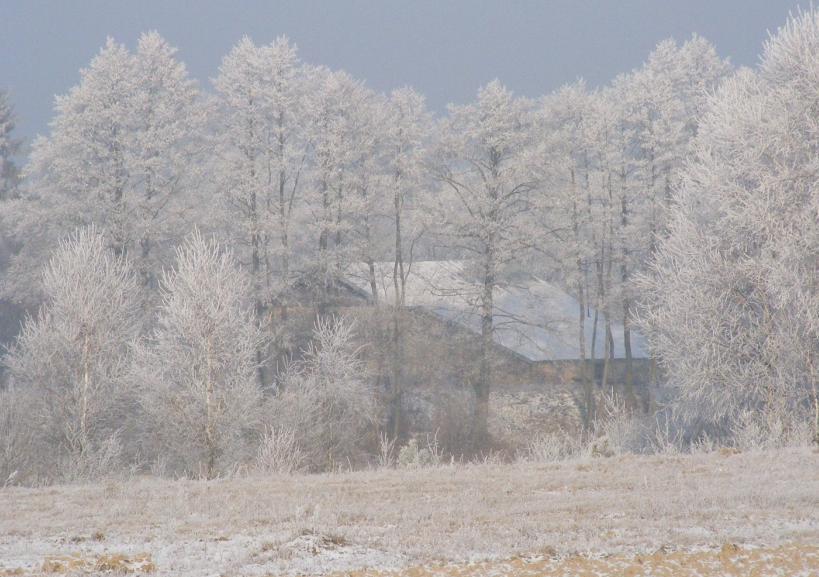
(709, 514)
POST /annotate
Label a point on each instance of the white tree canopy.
(733, 307)
(73, 356)
(119, 155)
(197, 370)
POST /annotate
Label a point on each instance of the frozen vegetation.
(237, 297)
(399, 518)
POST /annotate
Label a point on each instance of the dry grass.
(728, 561)
(618, 516)
(105, 563)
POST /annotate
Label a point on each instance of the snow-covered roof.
(534, 318)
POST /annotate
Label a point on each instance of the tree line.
(679, 198)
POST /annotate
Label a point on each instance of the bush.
(17, 439)
(618, 428)
(279, 452)
(760, 430)
(414, 456)
(551, 448)
(325, 399)
(97, 462)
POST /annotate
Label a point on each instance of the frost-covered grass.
(390, 519)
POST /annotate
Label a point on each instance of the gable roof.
(534, 318)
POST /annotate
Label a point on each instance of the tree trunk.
(118, 197)
(586, 369)
(593, 353)
(255, 271)
(255, 257)
(595, 322)
(324, 241)
(210, 434)
(284, 237)
(284, 215)
(398, 303)
(86, 391)
(608, 263)
(624, 278)
(369, 254)
(627, 348)
(484, 384)
(609, 353)
(395, 380)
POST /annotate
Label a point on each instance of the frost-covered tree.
(486, 172)
(164, 152)
(407, 129)
(71, 358)
(197, 370)
(326, 399)
(9, 147)
(564, 158)
(610, 159)
(364, 207)
(653, 118)
(664, 101)
(337, 147)
(261, 154)
(118, 155)
(733, 307)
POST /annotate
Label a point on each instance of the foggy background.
(444, 49)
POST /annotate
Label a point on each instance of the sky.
(446, 49)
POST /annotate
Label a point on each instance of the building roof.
(534, 318)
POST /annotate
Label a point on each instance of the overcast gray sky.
(445, 49)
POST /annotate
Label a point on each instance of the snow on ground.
(710, 510)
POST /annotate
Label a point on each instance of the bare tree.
(405, 148)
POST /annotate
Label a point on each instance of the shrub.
(551, 448)
(279, 452)
(17, 438)
(413, 456)
(326, 399)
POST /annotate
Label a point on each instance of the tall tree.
(565, 166)
(333, 131)
(9, 147)
(487, 174)
(118, 156)
(261, 155)
(732, 299)
(165, 150)
(366, 205)
(407, 128)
